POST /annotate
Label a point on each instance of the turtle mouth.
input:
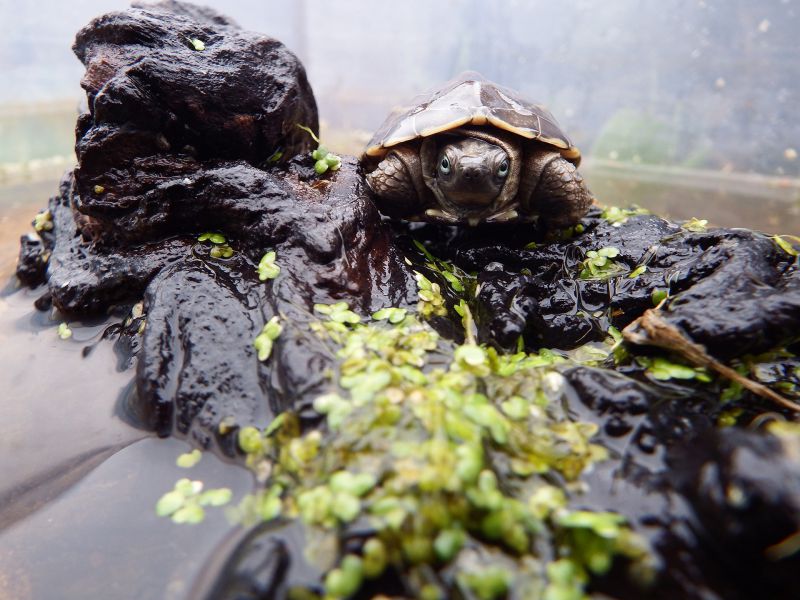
(471, 199)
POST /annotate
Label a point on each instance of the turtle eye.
(502, 171)
(444, 166)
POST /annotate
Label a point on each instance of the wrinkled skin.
(470, 173)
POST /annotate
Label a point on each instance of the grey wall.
(711, 84)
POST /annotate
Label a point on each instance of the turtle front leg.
(560, 197)
(396, 182)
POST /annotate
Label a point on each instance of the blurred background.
(687, 107)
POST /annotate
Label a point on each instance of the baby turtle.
(475, 152)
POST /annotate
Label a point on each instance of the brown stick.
(652, 330)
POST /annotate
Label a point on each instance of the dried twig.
(652, 330)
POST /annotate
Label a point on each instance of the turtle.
(474, 152)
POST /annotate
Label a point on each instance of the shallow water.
(79, 483)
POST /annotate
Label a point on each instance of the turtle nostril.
(471, 173)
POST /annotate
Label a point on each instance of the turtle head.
(470, 173)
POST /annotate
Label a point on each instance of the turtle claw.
(440, 215)
(504, 217)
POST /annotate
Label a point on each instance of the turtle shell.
(470, 99)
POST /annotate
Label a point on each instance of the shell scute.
(469, 99)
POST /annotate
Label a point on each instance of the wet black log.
(732, 290)
(170, 81)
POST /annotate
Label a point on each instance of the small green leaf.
(275, 156)
(214, 238)
(64, 332)
(393, 315)
(448, 543)
(276, 424)
(197, 44)
(188, 487)
(216, 497)
(375, 558)
(189, 459)
(516, 408)
(355, 484)
(345, 580)
(271, 507)
(267, 267)
(695, 225)
(637, 271)
(264, 340)
(658, 296)
(223, 251)
(782, 241)
(169, 503)
(600, 264)
(454, 281)
(43, 221)
(273, 328)
(250, 440)
(471, 355)
(345, 507)
(604, 524)
(610, 252)
(191, 514)
(321, 166)
(263, 346)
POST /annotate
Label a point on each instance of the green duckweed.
(64, 332)
(600, 264)
(267, 267)
(266, 339)
(618, 216)
(43, 221)
(440, 448)
(184, 504)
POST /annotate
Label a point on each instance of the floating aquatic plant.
(431, 302)
(267, 267)
(663, 369)
(189, 459)
(220, 248)
(787, 243)
(184, 504)
(214, 238)
(324, 160)
(600, 264)
(695, 225)
(221, 251)
(658, 296)
(64, 332)
(637, 271)
(459, 458)
(619, 216)
(265, 340)
(43, 221)
(459, 281)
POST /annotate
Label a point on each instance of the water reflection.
(79, 483)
